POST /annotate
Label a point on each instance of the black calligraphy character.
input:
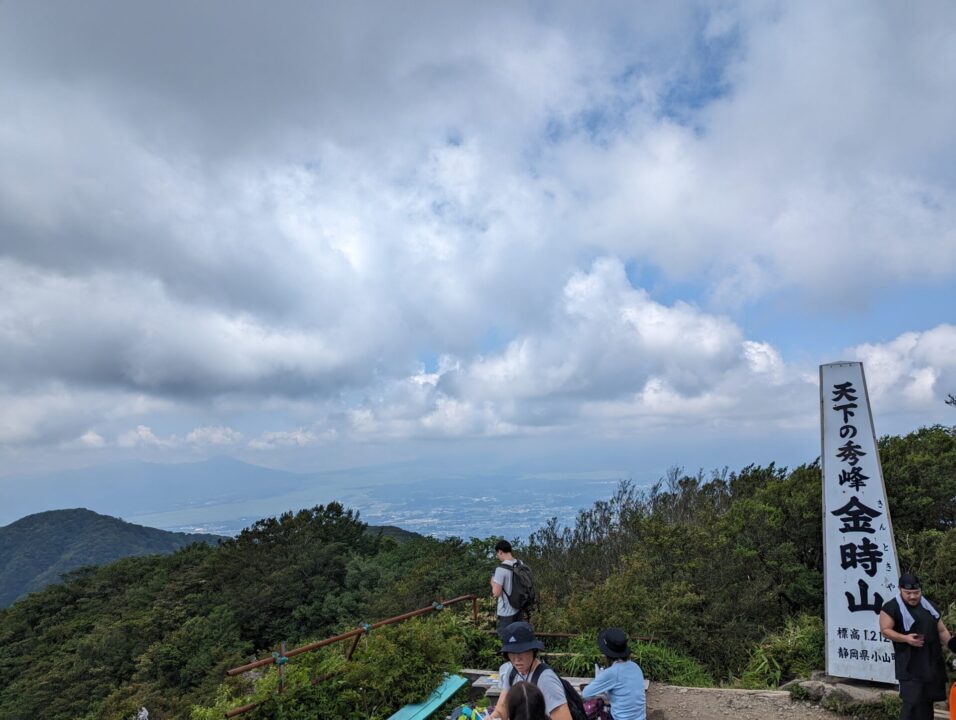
(843, 391)
(847, 409)
(856, 516)
(853, 477)
(850, 453)
(853, 606)
(866, 555)
(847, 431)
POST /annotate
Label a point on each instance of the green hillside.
(721, 574)
(39, 549)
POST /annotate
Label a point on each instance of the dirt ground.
(665, 702)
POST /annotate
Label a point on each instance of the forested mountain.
(712, 570)
(37, 550)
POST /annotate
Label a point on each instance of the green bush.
(661, 664)
(657, 661)
(392, 667)
(795, 651)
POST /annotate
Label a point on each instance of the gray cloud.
(205, 209)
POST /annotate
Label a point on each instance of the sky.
(490, 238)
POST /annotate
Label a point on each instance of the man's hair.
(503, 546)
(525, 702)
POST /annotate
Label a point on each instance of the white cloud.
(92, 439)
(612, 360)
(914, 371)
(213, 435)
(286, 439)
(143, 436)
(179, 246)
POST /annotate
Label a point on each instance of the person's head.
(503, 547)
(910, 589)
(613, 643)
(525, 702)
(520, 646)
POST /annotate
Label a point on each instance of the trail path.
(666, 702)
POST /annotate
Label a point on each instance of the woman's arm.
(601, 684)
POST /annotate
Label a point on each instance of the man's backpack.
(522, 596)
(575, 703)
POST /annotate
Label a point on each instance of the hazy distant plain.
(223, 496)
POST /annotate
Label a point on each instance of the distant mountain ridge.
(35, 551)
(133, 489)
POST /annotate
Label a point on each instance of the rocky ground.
(669, 702)
(665, 702)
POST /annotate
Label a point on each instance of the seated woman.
(622, 682)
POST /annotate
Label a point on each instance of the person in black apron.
(918, 635)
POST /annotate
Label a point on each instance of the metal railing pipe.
(351, 633)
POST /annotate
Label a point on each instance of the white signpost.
(860, 566)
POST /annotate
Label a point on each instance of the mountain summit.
(37, 549)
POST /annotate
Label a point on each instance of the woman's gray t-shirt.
(548, 683)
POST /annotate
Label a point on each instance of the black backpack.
(575, 703)
(522, 596)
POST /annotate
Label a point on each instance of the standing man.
(918, 635)
(502, 583)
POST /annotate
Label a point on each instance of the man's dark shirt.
(912, 663)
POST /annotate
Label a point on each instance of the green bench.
(423, 710)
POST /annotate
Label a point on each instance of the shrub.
(391, 667)
(657, 661)
(795, 651)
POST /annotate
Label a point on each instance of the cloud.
(285, 439)
(828, 171)
(142, 436)
(914, 371)
(92, 439)
(579, 213)
(213, 435)
(127, 333)
(611, 360)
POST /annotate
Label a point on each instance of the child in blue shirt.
(622, 682)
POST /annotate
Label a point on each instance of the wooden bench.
(487, 681)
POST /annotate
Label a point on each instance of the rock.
(859, 693)
(815, 689)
